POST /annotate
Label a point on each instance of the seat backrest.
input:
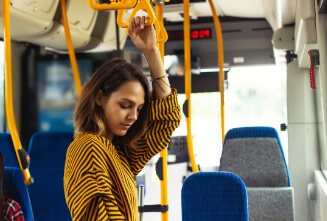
(214, 196)
(255, 154)
(8, 150)
(48, 153)
(15, 189)
(272, 203)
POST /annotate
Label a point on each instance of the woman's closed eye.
(124, 106)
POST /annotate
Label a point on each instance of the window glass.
(256, 96)
(206, 127)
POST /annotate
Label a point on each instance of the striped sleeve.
(164, 119)
(88, 188)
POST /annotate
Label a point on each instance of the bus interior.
(271, 85)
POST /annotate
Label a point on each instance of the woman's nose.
(133, 114)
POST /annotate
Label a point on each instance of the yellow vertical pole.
(188, 86)
(163, 153)
(8, 90)
(70, 46)
(221, 67)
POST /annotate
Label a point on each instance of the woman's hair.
(89, 117)
(2, 195)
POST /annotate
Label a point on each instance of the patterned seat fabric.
(47, 151)
(209, 196)
(255, 154)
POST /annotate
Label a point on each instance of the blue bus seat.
(8, 150)
(15, 189)
(212, 196)
(255, 154)
(47, 151)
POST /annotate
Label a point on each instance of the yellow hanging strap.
(188, 88)
(70, 46)
(221, 67)
(163, 153)
(144, 5)
(114, 5)
(8, 92)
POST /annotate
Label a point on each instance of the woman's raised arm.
(144, 39)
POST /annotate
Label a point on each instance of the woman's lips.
(126, 126)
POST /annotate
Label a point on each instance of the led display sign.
(204, 33)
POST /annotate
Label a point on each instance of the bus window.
(257, 97)
(206, 129)
(57, 93)
(2, 87)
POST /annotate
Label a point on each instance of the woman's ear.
(98, 99)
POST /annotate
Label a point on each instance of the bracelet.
(156, 79)
(160, 78)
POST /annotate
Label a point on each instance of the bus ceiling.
(39, 22)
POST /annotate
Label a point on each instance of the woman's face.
(122, 107)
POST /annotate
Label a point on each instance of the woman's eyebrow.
(130, 101)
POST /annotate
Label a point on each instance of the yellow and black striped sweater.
(99, 179)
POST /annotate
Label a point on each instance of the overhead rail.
(70, 46)
(23, 158)
(114, 5)
(143, 5)
(188, 87)
(221, 67)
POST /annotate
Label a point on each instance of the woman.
(120, 126)
(10, 209)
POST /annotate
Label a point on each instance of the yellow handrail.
(221, 67)
(114, 5)
(8, 90)
(188, 87)
(163, 153)
(70, 46)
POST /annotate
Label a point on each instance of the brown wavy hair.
(89, 117)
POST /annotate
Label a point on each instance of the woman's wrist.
(151, 52)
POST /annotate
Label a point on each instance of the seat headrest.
(8, 150)
(49, 148)
(214, 196)
(255, 154)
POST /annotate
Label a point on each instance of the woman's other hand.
(143, 37)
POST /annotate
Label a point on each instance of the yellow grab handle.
(70, 46)
(114, 5)
(141, 5)
(221, 67)
(162, 35)
(187, 61)
(144, 5)
(8, 90)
